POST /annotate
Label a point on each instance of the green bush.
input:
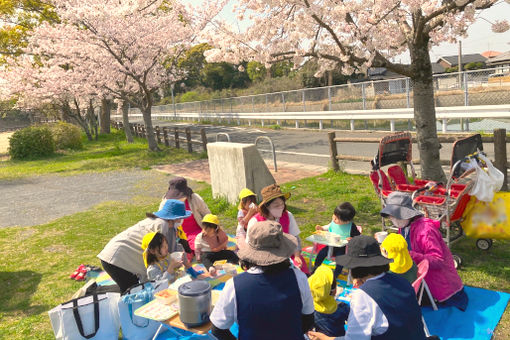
(66, 136)
(31, 142)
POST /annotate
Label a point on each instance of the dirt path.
(41, 199)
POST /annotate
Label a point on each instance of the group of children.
(211, 245)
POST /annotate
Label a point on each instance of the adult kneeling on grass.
(122, 258)
(425, 242)
(272, 299)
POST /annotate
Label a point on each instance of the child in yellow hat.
(329, 315)
(211, 244)
(394, 247)
(160, 265)
(247, 209)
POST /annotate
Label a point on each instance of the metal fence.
(469, 88)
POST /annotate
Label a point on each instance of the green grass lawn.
(34, 274)
(110, 152)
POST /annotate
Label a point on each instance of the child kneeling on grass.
(211, 244)
(342, 225)
(329, 315)
(160, 265)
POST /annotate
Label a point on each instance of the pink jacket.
(427, 243)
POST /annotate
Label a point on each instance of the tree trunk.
(425, 112)
(69, 116)
(92, 120)
(151, 138)
(104, 116)
(125, 120)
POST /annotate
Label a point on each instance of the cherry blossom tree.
(36, 86)
(123, 48)
(355, 35)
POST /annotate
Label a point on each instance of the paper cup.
(176, 256)
(380, 236)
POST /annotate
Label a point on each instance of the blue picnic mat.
(185, 335)
(478, 322)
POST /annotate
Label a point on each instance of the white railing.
(442, 114)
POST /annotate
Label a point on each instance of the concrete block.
(234, 166)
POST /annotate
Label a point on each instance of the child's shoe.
(77, 271)
(81, 274)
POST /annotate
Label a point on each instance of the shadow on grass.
(17, 290)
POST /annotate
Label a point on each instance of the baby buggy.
(448, 204)
(436, 201)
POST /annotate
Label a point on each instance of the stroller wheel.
(484, 243)
(457, 261)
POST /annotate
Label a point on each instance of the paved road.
(298, 145)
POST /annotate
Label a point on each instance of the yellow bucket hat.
(320, 285)
(210, 218)
(147, 238)
(396, 246)
(245, 193)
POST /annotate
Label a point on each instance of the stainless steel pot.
(194, 303)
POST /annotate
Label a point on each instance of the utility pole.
(459, 62)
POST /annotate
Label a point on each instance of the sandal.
(77, 271)
(81, 274)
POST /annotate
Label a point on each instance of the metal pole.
(364, 98)
(466, 97)
(173, 99)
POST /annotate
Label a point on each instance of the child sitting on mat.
(160, 265)
(394, 247)
(342, 225)
(329, 315)
(211, 244)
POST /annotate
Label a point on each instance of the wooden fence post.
(333, 151)
(158, 134)
(188, 140)
(176, 134)
(204, 139)
(165, 136)
(500, 161)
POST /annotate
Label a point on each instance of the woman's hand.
(318, 227)
(319, 336)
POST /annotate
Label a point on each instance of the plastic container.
(166, 296)
(177, 255)
(194, 303)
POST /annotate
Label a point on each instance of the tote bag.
(90, 317)
(135, 327)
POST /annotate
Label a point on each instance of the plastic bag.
(494, 173)
(135, 327)
(488, 219)
(484, 184)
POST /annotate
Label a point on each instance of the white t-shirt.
(365, 318)
(224, 313)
